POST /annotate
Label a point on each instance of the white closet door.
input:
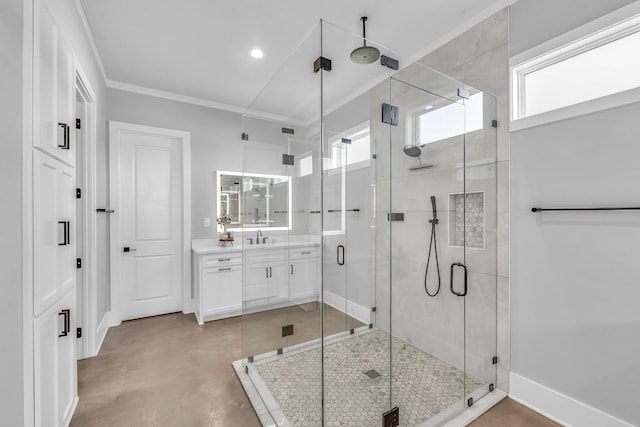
(53, 230)
(54, 68)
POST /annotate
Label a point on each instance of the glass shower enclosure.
(367, 209)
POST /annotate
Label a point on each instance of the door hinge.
(494, 123)
(79, 333)
(321, 63)
(470, 402)
(389, 62)
(494, 361)
(78, 262)
(287, 330)
(287, 159)
(78, 193)
(390, 114)
(391, 418)
(78, 124)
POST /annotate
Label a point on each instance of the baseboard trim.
(560, 408)
(354, 310)
(101, 333)
(72, 411)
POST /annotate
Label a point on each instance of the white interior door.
(148, 220)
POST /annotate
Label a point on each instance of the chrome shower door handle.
(453, 291)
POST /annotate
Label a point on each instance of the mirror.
(254, 200)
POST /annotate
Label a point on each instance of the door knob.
(128, 249)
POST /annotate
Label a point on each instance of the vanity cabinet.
(228, 282)
(217, 285)
(304, 271)
(266, 281)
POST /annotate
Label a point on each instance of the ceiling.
(200, 48)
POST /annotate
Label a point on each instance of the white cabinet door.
(45, 78)
(256, 286)
(53, 226)
(67, 362)
(46, 330)
(55, 363)
(66, 145)
(278, 282)
(54, 90)
(303, 274)
(222, 290)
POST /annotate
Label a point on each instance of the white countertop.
(212, 246)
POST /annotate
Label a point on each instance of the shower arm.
(364, 31)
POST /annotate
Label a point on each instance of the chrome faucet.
(258, 236)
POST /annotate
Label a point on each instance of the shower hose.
(432, 243)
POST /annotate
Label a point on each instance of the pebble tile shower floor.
(422, 384)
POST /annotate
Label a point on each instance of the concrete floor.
(170, 371)
(509, 413)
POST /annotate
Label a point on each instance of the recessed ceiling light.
(257, 53)
(428, 107)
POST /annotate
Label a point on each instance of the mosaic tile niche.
(474, 220)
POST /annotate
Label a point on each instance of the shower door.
(440, 185)
(357, 372)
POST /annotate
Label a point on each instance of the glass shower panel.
(427, 152)
(281, 237)
(479, 233)
(356, 346)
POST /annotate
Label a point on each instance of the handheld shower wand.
(432, 243)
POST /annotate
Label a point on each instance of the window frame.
(609, 28)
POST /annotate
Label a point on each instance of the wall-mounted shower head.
(412, 150)
(365, 54)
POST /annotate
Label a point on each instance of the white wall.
(215, 144)
(536, 21)
(575, 317)
(11, 306)
(575, 296)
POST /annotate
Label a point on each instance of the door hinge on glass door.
(391, 418)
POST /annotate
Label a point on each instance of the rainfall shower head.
(365, 54)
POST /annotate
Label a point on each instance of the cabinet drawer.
(220, 269)
(308, 252)
(221, 260)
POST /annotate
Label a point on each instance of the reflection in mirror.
(254, 200)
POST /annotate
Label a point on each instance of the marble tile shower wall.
(479, 58)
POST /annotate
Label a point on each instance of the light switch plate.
(207, 222)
